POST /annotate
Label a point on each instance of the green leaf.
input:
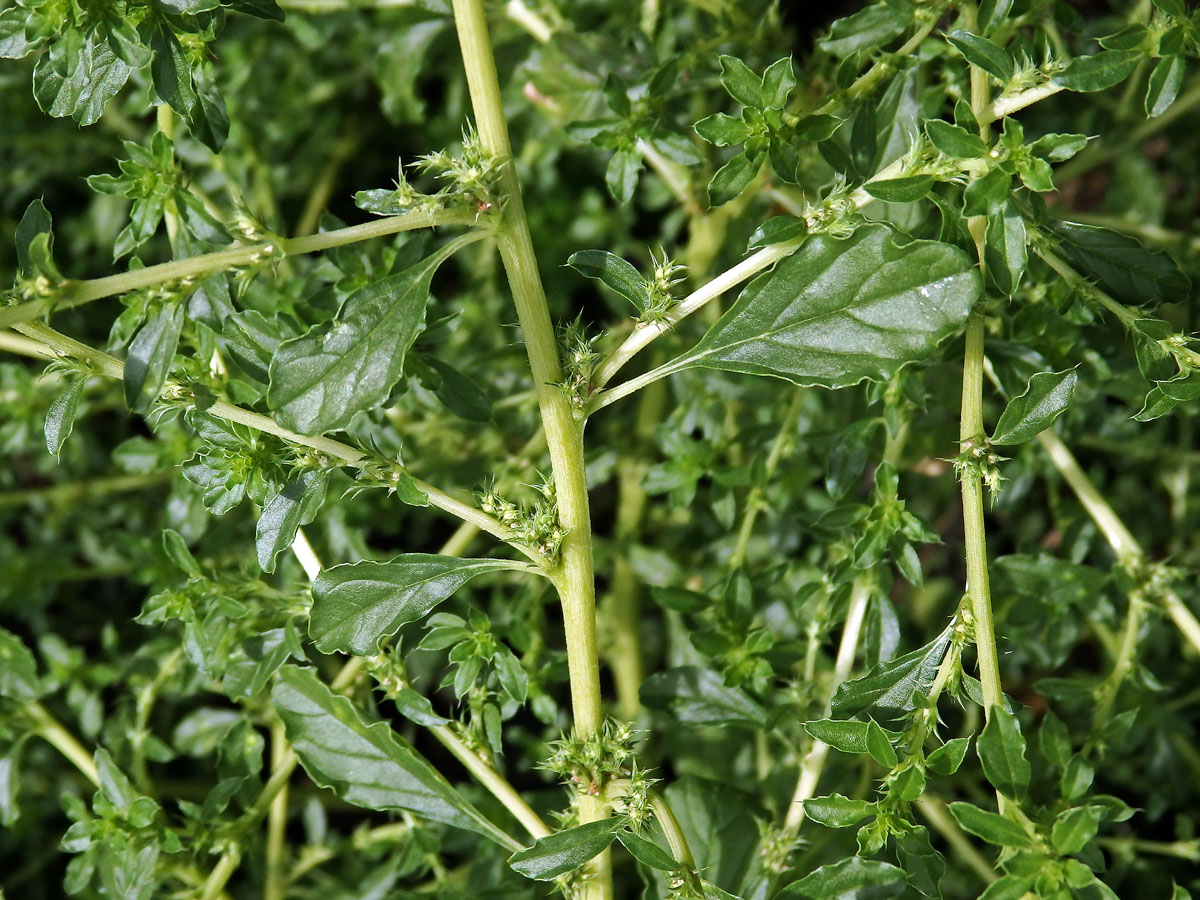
(733, 178)
(294, 504)
(993, 828)
(866, 29)
(699, 696)
(10, 782)
(176, 549)
(837, 312)
(900, 190)
(742, 84)
(18, 671)
(981, 52)
(1045, 399)
(622, 174)
(14, 44)
(886, 692)
(1058, 147)
(1005, 247)
(1008, 887)
(36, 220)
(461, 395)
(777, 230)
(321, 379)
(148, 361)
(946, 759)
(847, 735)
(77, 77)
(170, 73)
(1074, 828)
(647, 852)
(565, 851)
(723, 130)
(355, 606)
(923, 865)
(613, 272)
(366, 763)
(1163, 86)
(60, 416)
(987, 194)
(1001, 749)
(954, 141)
(777, 82)
(992, 13)
(1098, 72)
(836, 811)
(851, 879)
(879, 747)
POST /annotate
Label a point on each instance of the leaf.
(847, 735)
(733, 178)
(879, 747)
(868, 28)
(981, 52)
(742, 84)
(900, 190)
(946, 759)
(613, 272)
(851, 879)
(10, 783)
(647, 852)
(723, 130)
(886, 692)
(1045, 399)
(622, 174)
(296, 503)
(321, 379)
(78, 81)
(60, 416)
(36, 220)
(564, 851)
(777, 230)
(366, 763)
(1001, 749)
(1074, 828)
(699, 696)
(14, 44)
(148, 361)
(1163, 86)
(993, 828)
(461, 395)
(1008, 887)
(170, 73)
(720, 826)
(955, 141)
(777, 82)
(18, 671)
(837, 312)
(1098, 72)
(1005, 247)
(355, 606)
(836, 811)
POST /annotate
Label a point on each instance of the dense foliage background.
(146, 608)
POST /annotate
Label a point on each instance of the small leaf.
(981, 52)
(18, 671)
(296, 503)
(946, 759)
(742, 84)
(622, 174)
(722, 130)
(647, 852)
(1164, 83)
(777, 82)
(355, 606)
(1098, 72)
(78, 81)
(777, 230)
(36, 220)
(847, 735)
(176, 549)
(837, 312)
(170, 73)
(60, 417)
(886, 692)
(322, 378)
(1074, 828)
(900, 190)
(564, 851)
(148, 361)
(866, 29)
(1001, 749)
(836, 811)
(993, 828)
(851, 879)
(366, 763)
(954, 141)
(1005, 247)
(613, 272)
(699, 696)
(1121, 264)
(461, 395)
(1045, 399)
(733, 178)
(879, 747)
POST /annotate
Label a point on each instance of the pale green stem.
(814, 761)
(673, 175)
(112, 367)
(76, 491)
(16, 343)
(672, 830)
(758, 494)
(52, 731)
(564, 434)
(537, 27)
(935, 812)
(1131, 847)
(1007, 105)
(1126, 657)
(322, 190)
(78, 293)
(275, 877)
(165, 117)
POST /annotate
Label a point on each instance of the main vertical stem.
(971, 432)
(564, 434)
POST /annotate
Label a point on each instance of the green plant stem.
(1123, 665)
(275, 877)
(1124, 545)
(112, 367)
(17, 343)
(936, 814)
(866, 81)
(1007, 105)
(52, 731)
(318, 197)
(814, 761)
(80, 292)
(672, 831)
(674, 176)
(564, 433)
(80, 491)
(757, 498)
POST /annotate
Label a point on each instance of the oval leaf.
(366, 763)
(992, 827)
(647, 852)
(614, 272)
(851, 879)
(981, 52)
(357, 605)
(564, 851)
(1046, 398)
(837, 312)
(1098, 72)
(1001, 749)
